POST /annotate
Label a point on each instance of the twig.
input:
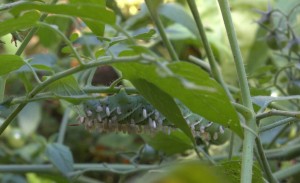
(278, 113)
(155, 17)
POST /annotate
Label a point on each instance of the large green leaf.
(9, 63)
(25, 21)
(61, 157)
(259, 52)
(233, 171)
(188, 83)
(178, 14)
(164, 103)
(185, 172)
(96, 27)
(175, 142)
(86, 11)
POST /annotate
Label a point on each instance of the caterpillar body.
(134, 114)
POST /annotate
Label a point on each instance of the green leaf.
(66, 49)
(87, 11)
(25, 21)
(48, 38)
(259, 52)
(74, 36)
(61, 157)
(178, 14)
(9, 63)
(42, 67)
(66, 86)
(164, 103)
(29, 123)
(175, 142)
(233, 171)
(145, 36)
(96, 27)
(188, 83)
(185, 172)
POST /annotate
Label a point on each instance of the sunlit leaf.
(88, 11)
(25, 21)
(9, 63)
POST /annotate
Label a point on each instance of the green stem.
(278, 113)
(10, 5)
(118, 168)
(287, 172)
(216, 73)
(249, 138)
(2, 87)
(277, 123)
(63, 126)
(200, 63)
(264, 161)
(47, 95)
(289, 152)
(230, 153)
(36, 77)
(37, 89)
(67, 41)
(155, 17)
(282, 130)
(31, 33)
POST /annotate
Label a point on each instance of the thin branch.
(66, 40)
(11, 5)
(63, 126)
(277, 123)
(278, 113)
(155, 17)
(216, 73)
(264, 161)
(287, 172)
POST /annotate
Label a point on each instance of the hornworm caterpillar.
(133, 114)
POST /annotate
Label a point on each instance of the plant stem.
(10, 5)
(278, 113)
(67, 41)
(118, 168)
(287, 172)
(278, 123)
(216, 73)
(155, 17)
(249, 138)
(2, 87)
(290, 152)
(47, 95)
(63, 126)
(264, 161)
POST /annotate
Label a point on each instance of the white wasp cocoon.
(144, 113)
(215, 137)
(221, 129)
(99, 118)
(119, 110)
(89, 113)
(107, 111)
(99, 108)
